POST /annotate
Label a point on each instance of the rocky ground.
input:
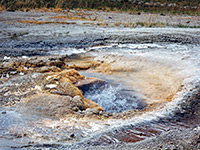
(44, 75)
(42, 55)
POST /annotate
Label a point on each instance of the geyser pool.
(163, 73)
(114, 97)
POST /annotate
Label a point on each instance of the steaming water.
(114, 98)
(170, 63)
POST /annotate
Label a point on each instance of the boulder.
(80, 103)
(54, 106)
(61, 83)
(66, 88)
(91, 111)
(72, 75)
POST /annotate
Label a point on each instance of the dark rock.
(162, 14)
(72, 135)
(4, 112)
(188, 22)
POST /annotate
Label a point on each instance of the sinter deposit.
(79, 85)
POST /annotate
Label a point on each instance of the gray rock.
(91, 111)
(77, 99)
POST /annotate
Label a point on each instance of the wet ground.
(150, 93)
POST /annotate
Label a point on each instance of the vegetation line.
(191, 7)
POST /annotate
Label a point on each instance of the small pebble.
(21, 73)
(24, 57)
(6, 57)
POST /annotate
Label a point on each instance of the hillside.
(133, 6)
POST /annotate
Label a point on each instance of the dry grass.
(44, 10)
(150, 25)
(94, 10)
(44, 22)
(140, 24)
(117, 23)
(79, 14)
(147, 24)
(187, 17)
(164, 6)
(107, 9)
(101, 24)
(89, 23)
(80, 9)
(1, 9)
(70, 18)
(48, 10)
(57, 10)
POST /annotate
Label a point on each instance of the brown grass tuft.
(44, 10)
(89, 23)
(101, 24)
(1, 9)
(57, 10)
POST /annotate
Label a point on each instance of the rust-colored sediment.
(45, 22)
(158, 83)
